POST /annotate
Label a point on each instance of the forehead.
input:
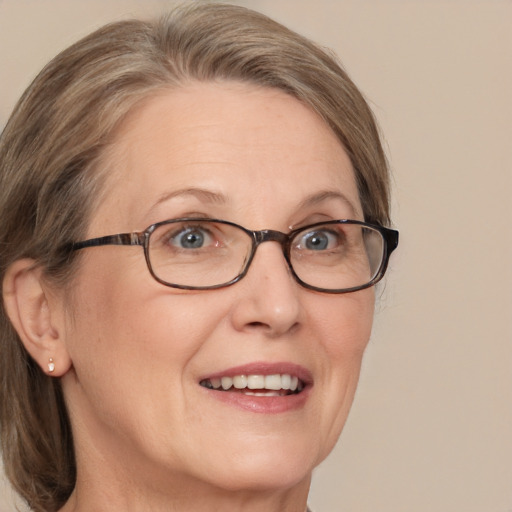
(247, 144)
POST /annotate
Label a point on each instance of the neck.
(112, 497)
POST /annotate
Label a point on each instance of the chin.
(264, 468)
(265, 479)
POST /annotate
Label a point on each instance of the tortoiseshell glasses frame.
(337, 256)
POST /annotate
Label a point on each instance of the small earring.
(51, 365)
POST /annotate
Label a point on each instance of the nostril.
(257, 325)
(270, 330)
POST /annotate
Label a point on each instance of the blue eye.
(320, 240)
(191, 238)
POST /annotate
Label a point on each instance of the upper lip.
(264, 368)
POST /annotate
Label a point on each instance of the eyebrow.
(211, 197)
(202, 194)
(325, 195)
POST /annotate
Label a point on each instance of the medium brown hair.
(50, 181)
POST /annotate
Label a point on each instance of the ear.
(37, 316)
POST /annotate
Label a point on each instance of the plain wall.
(431, 427)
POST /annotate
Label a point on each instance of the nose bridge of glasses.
(269, 235)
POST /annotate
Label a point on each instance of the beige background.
(431, 429)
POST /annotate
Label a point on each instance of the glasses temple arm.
(120, 239)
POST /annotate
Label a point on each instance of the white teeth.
(256, 382)
(227, 382)
(240, 381)
(274, 382)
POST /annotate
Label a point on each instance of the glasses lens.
(337, 256)
(198, 253)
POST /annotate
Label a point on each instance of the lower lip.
(262, 404)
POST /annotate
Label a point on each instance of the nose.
(268, 298)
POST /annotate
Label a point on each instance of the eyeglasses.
(337, 256)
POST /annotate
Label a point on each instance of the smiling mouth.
(257, 385)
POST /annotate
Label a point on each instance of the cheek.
(344, 328)
(128, 338)
(345, 324)
(123, 322)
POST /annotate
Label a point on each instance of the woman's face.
(142, 352)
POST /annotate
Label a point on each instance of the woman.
(199, 367)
